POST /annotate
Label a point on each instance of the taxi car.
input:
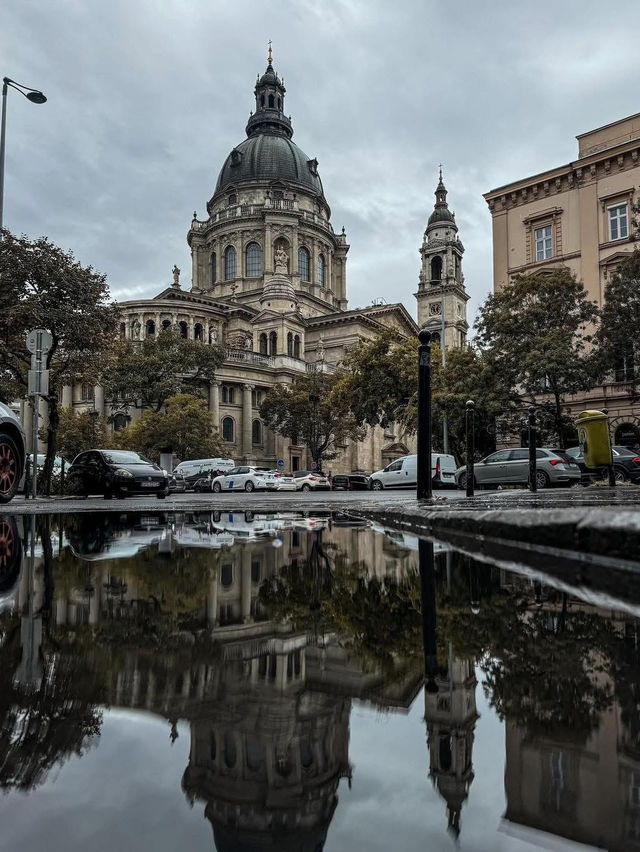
(245, 478)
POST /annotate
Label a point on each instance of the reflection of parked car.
(117, 473)
(511, 467)
(350, 482)
(626, 464)
(311, 480)
(10, 560)
(12, 444)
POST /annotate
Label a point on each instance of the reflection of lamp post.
(314, 399)
(33, 95)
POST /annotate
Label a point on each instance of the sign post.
(38, 342)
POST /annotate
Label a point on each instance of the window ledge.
(619, 242)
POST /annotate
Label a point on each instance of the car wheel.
(462, 482)
(376, 485)
(217, 487)
(10, 467)
(620, 475)
(107, 494)
(306, 487)
(10, 553)
(161, 495)
(542, 480)
(249, 487)
(121, 495)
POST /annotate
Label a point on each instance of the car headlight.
(122, 473)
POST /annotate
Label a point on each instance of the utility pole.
(445, 425)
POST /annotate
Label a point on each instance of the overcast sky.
(146, 99)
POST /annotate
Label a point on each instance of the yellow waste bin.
(593, 435)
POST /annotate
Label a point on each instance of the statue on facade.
(321, 350)
(136, 328)
(176, 276)
(281, 259)
(213, 335)
(248, 344)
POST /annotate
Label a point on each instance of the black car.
(117, 473)
(350, 482)
(177, 484)
(202, 484)
(626, 465)
(12, 455)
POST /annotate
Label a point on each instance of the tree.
(80, 430)
(184, 424)
(307, 411)
(43, 286)
(617, 338)
(144, 374)
(536, 331)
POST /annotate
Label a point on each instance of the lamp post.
(445, 425)
(33, 95)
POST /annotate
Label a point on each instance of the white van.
(403, 473)
(198, 468)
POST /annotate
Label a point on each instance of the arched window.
(322, 270)
(229, 749)
(273, 343)
(262, 344)
(119, 422)
(261, 100)
(184, 330)
(232, 395)
(278, 194)
(256, 432)
(166, 325)
(229, 263)
(198, 332)
(304, 264)
(436, 268)
(290, 344)
(254, 260)
(279, 104)
(271, 101)
(296, 346)
(233, 199)
(225, 393)
(227, 429)
(226, 575)
(213, 276)
(151, 328)
(435, 337)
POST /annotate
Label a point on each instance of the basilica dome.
(267, 157)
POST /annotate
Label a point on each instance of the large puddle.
(249, 681)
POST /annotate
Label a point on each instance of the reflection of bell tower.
(442, 298)
(450, 714)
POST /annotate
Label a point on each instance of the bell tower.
(442, 298)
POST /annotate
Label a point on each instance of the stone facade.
(577, 215)
(268, 281)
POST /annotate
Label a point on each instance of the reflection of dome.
(293, 840)
(266, 157)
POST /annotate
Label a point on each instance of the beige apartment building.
(577, 215)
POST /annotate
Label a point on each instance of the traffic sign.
(39, 338)
(314, 466)
(280, 462)
(38, 383)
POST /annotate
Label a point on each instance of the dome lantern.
(269, 114)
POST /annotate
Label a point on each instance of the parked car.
(203, 484)
(311, 480)
(117, 473)
(511, 467)
(195, 469)
(350, 482)
(279, 481)
(575, 457)
(240, 479)
(403, 473)
(626, 464)
(177, 484)
(12, 453)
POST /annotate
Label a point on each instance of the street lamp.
(33, 95)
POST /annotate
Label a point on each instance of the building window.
(227, 429)
(322, 270)
(254, 260)
(214, 269)
(256, 570)
(273, 343)
(290, 344)
(184, 330)
(624, 367)
(256, 432)
(543, 243)
(151, 328)
(618, 222)
(262, 344)
(229, 263)
(278, 194)
(436, 268)
(233, 199)
(166, 325)
(304, 266)
(198, 332)
(87, 393)
(256, 398)
(271, 101)
(296, 346)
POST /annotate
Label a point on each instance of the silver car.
(511, 467)
(12, 454)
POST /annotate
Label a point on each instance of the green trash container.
(593, 435)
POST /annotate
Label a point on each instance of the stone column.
(219, 262)
(268, 250)
(246, 586)
(247, 413)
(194, 266)
(314, 263)
(158, 323)
(98, 400)
(214, 404)
(294, 253)
(329, 281)
(67, 396)
(190, 329)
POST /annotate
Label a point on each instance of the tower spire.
(270, 57)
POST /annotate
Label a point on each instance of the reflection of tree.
(42, 728)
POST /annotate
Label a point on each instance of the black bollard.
(533, 445)
(27, 478)
(428, 602)
(470, 427)
(425, 485)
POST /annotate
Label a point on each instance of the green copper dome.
(441, 212)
